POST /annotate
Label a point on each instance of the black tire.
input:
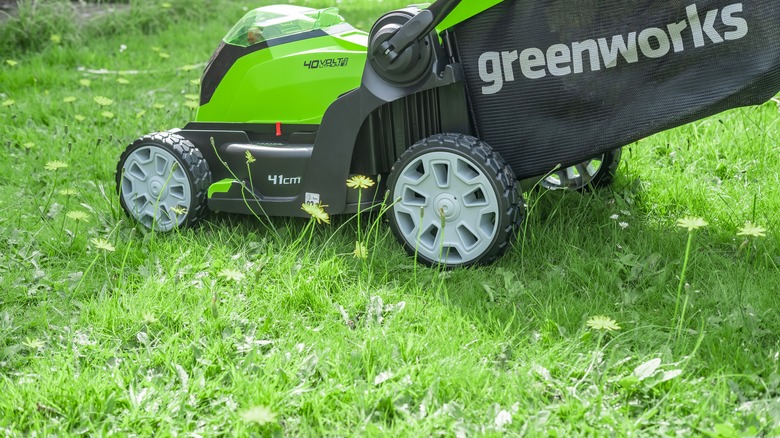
(463, 179)
(162, 181)
(595, 173)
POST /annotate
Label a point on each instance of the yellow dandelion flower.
(56, 39)
(750, 230)
(28, 145)
(260, 415)
(231, 275)
(55, 165)
(360, 182)
(11, 62)
(179, 210)
(158, 106)
(149, 318)
(140, 114)
(85, 82)
(317, 212)
(122, 81)
(164, 55)
(692, 223)
(603, 323)
(78, 216)
(191, 96)
(192, 104)
(195, 82)
(79, 117)
(102, 100)
(189, 67)
(8, 102)
(33, 343)
(103, 244)
(69, 99)
(107, 114)
(250, 158)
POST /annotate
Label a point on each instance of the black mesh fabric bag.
(556, 82)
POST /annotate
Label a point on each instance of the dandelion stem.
(311, 234)
(682, 282)
(75, 233)
(741, 289)
(249, 172)
(596, 354)
(375, 226)
(159, 196)
(84, 275)
(51, 194)
(62, 224)
(417, 242)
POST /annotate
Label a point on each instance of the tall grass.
(36, 25)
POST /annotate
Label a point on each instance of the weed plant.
(605, 318)
(36, 24)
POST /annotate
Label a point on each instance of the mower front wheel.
(162, 180)
(454, 201)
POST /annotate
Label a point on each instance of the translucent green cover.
(270, 22)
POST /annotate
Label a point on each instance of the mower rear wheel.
(593, 173)
(455, 201)
(162, 180)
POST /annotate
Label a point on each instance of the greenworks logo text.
(497, 68)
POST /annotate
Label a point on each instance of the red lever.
(278, 129)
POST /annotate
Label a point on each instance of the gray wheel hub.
(156, 188)
(446, 207)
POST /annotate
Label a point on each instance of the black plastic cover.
(555, 82)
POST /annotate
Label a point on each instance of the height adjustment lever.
(406, 35)
(416, 28)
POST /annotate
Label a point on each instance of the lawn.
(649, 308)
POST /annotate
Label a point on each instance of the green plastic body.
(222, 186)
(465, 10)
(289, 83)
(295, 82)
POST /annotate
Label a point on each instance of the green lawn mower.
(448, 105)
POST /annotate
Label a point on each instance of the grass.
(108, 330)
